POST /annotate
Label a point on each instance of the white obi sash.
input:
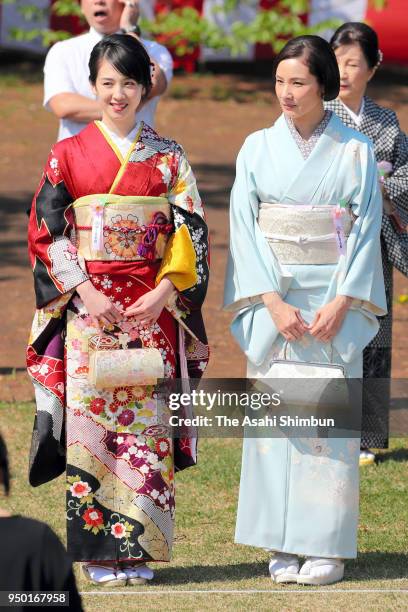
(305, 234)
(110, 227)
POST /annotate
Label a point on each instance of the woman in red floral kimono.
(117, 241)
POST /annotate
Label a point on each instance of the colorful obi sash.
(305, 234)
(111, 227)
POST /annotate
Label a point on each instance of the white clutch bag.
(286, 368)
(322, 383)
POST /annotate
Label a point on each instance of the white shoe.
(284, 567)
(367, 457)
(321, 571)
(104, 575)
(138, 574)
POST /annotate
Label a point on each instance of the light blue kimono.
(301, 495)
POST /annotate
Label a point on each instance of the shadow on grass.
(378, 566)
(368, 566)
(211, 573)
(398, 454)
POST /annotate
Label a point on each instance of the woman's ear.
(93, 88)
(372, 73)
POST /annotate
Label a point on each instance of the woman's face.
(354, 72)
(118, 94)
(298, 91)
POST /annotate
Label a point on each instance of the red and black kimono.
(118, 454)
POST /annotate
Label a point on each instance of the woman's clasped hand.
(100, 307)
(287, 318)
(146, 309)
(329, 318)
(149, 306)
(290, 323)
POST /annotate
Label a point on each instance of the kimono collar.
(122, 147)
(123, 144)
(307, 146)
(356, 117)
(296, 171)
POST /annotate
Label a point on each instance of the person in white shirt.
(67, 91)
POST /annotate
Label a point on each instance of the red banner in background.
(391, 25)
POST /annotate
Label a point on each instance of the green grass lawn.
(205, 557)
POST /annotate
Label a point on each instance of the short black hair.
(319, 58)
(126, 54)
(357, 32)
(4, 465)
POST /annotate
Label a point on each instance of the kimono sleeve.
(396, 185)
(186, 261)
(362, 274)
(252, 269)
(52, 254)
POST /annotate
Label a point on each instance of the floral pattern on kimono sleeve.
(188, 211)
(184, 192)
(53, 256)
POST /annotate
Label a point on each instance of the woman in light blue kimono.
(290, 281)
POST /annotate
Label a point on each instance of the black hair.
(357, 32)
(319, 58)
(4, 466)
(126, 54)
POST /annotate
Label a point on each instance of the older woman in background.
(358, 57)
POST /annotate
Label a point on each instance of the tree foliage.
(184, 28)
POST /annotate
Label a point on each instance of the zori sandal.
(104, 575)
(284, 567)
(138, 574)
(320, 571)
